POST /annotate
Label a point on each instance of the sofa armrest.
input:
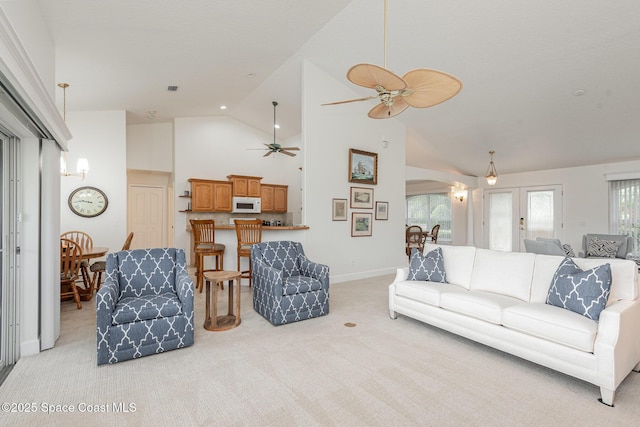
(315, 270)
(401, 275)
(617, 346)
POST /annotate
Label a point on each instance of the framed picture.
(339, 211)
(361, 198)
(360, 224)
(363, 167)
(382, 210)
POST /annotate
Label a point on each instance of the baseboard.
(362, 275)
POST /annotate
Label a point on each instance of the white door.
(514, 214)
(147, 216)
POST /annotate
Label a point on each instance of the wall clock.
(88, 201)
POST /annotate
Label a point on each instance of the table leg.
(214, 319)
(207, 312)
(230, 303)
(237, 301)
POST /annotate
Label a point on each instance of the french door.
(514, 214)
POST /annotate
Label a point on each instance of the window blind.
(624, 217)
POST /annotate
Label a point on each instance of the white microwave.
(246, 205)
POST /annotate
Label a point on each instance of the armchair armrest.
(315, 270)
(106, 300)
(184, 289)
(266, 278)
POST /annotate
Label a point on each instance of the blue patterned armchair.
(287, 287)
(145, 305)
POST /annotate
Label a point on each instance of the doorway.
(149, 209)
(514, 214)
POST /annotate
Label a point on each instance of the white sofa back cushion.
(507, 273)
(458, 262)
(545, 268)
(624, 276)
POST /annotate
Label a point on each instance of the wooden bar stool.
(213, 322)
(204, 245)
(248, 232)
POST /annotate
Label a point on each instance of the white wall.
(150, 147)
(100, 136)
(585, 200)
(328, 133)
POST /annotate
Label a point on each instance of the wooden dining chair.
(204, 244)
(414, 238)
(434, 233)
(248, 232)
(85, 242)
(99, 267)
(70, 260)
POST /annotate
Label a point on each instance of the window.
(624, 197)
(427, 210)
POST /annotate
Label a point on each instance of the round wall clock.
(88, 201)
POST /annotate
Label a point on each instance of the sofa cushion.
(568, 250)
(458, 262)
(602, 248)
(544, 270)
(428, 267)
(426, 292)
(624, 276)
(507, 273)
(583, 292)
(482, 305)
(542, 247)
(146, 307)
(552, 323)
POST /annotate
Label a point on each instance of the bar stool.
(204, 245)
(248, 232)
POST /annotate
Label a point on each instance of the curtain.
(624, 202)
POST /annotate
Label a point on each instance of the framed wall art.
(339, 210)
(382, 210)
(361, 198)
(360, 224)
(363, 167)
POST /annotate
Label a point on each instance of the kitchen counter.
(267, 227)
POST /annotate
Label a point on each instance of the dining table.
(87, 255)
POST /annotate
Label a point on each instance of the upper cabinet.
(210, 196)
(274, 197)
(245, 186)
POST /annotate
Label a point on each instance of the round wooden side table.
(212, 321)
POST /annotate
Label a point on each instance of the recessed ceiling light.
(277, 126)
(223, 107)
(579, 92)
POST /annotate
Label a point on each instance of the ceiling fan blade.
(352, 100)
(287, 153)
(268, 153)
(382, 111)
(290, 148)
(429, 87)
(369, 75)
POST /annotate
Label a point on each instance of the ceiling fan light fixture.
(492, 174)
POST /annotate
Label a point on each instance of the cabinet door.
(266, 194)
(240, 187)
(222, 198)
(253, 187)
(202, 194)
(280, 198)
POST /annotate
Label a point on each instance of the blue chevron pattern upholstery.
(287, 287)
(145, 305)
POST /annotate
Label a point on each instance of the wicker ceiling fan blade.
(287, 153)
(371, 76)
(352, 100)
(383, 111)
(427, 87)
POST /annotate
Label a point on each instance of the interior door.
(147, 216)
(514, 214)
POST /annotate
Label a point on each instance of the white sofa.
(498, 299)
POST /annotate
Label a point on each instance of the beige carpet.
(315, 372)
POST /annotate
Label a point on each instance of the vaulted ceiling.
(547, 84)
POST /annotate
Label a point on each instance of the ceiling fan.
(419, 88)
(274, 147)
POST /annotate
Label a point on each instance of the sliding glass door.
(514, 214)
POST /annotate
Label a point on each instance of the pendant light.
(82, 167)
(492, 174)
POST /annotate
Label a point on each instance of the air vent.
(172, 88)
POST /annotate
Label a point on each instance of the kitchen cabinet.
(245, 186)
(210, 196)
(274, 197)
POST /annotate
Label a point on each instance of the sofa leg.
(606, 396)
(392, 314)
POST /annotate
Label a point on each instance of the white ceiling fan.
(274, 147)
(419, 88)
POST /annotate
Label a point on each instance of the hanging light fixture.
(492, 174)
(82, 167)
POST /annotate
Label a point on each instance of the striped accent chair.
(145, 305)
(287, 287)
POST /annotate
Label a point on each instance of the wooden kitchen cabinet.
(210, 196)
(245, 186)
(274, 197)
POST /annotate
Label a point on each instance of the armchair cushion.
(300, 284)
(146, 307)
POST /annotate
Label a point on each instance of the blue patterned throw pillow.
(583, 292)
(429, 267)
